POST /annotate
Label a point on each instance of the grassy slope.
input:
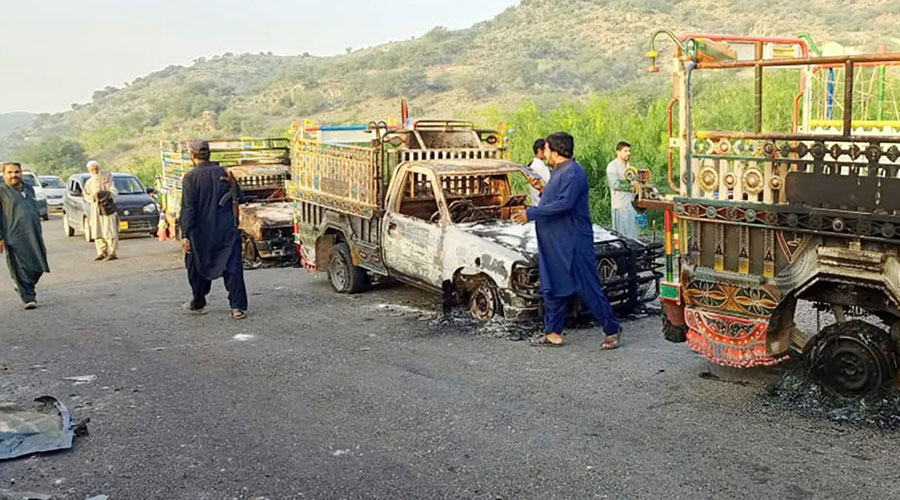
(547, 51)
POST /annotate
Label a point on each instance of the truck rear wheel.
(853, 359)
(343, 275)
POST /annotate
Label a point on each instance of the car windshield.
(52, 182)
(27, 179)
(128, 185)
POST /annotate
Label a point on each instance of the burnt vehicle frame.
(261, 167)
(430, 206)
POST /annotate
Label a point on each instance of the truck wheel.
(86, 229)
(853, 359)
(343, 275)
(249, 254)
(671, 331)
(484, 301)
(66, 227)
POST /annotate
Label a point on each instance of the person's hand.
(186, 245)
(1, 246)
(636, 186)
(537, 183)
(96, 198)
(519, 216)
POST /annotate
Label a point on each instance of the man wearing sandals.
(566, 260)
(21, 238)
(210, 238)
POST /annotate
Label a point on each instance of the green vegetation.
(580, 59)
(53, 155)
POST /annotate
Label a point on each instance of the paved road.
(359, 397)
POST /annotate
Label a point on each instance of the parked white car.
(54, 189)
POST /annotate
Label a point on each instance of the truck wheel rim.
(338, 273)
(849, 368)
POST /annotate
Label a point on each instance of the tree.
(52, 155)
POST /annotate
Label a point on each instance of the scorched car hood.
(522, 238)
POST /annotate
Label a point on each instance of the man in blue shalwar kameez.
(566, 260)
(210, 239)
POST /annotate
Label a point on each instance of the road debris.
(47, 427)
(81, 379)
(796, 391)
(243, 337)
(23, 495)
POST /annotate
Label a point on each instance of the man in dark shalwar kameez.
(20, 234)
(210, 238)
(566, 260)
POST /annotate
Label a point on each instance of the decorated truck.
(798, 200)
(261, 167)
(430, 205)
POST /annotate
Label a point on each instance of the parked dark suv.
(138, 213)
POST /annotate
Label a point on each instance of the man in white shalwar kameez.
(104, 228)
(621, 195)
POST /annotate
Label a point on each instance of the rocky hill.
(547, 51)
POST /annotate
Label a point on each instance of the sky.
(57, 52)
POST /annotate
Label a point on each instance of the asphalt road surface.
(323, 396)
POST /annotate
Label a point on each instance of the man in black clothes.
(210, 238)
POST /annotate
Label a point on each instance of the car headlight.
(39, 196)
(150, 208)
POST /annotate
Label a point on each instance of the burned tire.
(249, 254)
(853, 359)
(484, 301)
(673, 332)
(343, 275)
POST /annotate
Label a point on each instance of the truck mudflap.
(729, 340)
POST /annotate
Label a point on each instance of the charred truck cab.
(431, 206)
(261, 167)
(805, 207)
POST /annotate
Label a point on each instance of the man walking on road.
(566, 262)
(620, 192)
(210, 239)
(100, 192)
(20, 234)
(537, 166)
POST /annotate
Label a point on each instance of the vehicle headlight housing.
(40, 196)
(149, 208)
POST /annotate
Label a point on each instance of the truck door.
(413, 233)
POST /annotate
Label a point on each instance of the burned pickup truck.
(431, 206)
(261, 167)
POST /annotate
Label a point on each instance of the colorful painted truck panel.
(261, 166)
(765, 217)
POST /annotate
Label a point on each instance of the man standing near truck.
(20, 234)
(210, 238)
(537, 166)
(624, 216)
(567, 264)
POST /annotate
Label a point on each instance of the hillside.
(546, 51)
